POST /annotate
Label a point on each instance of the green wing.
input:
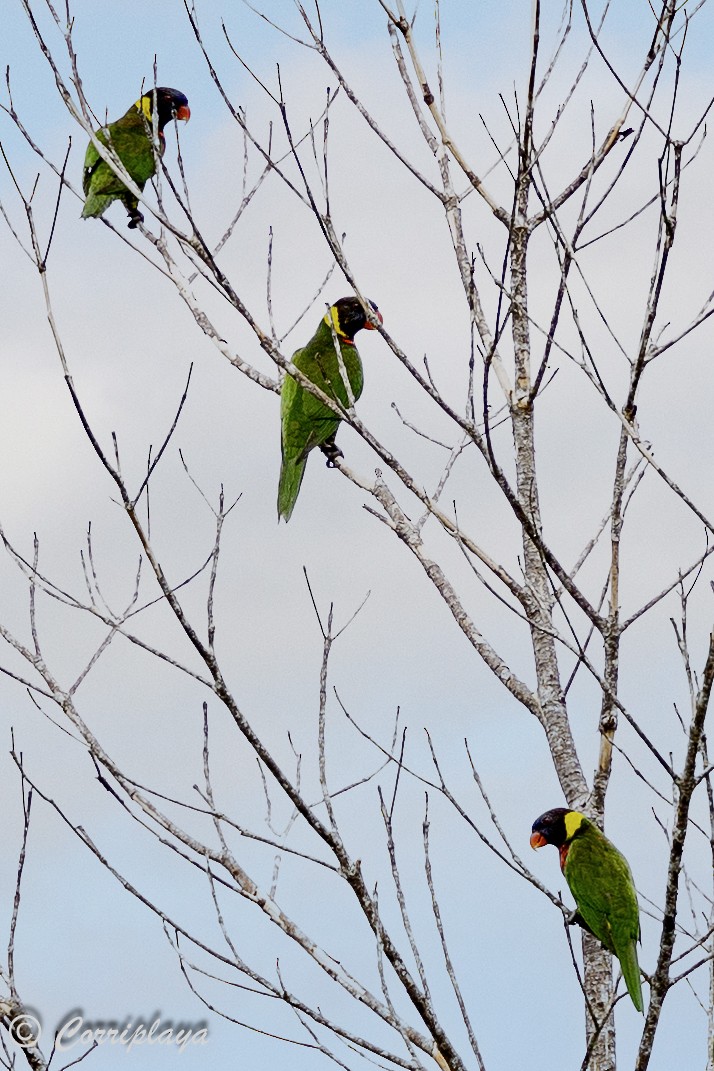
(306, 422)
(129, 139)
(601, 882)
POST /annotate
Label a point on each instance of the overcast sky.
(82, 941)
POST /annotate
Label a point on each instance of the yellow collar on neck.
(143, 104)
(573, 821)
(332, 319)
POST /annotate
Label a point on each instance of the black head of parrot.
(170, 104)
(550, 828)
(351, 316)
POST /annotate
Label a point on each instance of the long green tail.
(631, 974)
(291, 474)
(97, 204)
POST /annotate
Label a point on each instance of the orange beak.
(538, 840)
(370, 327)
(184, 112)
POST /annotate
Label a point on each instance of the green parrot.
(131, 139)
(306, 422)
(601, 882)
